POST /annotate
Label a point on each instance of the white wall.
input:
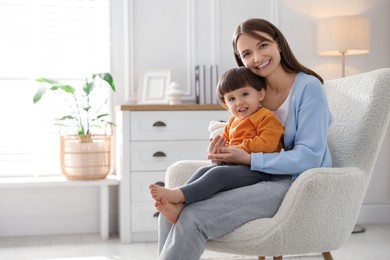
(76, 210)
(49, 210)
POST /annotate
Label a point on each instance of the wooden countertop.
(170, 107)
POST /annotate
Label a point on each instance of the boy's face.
(243, 102)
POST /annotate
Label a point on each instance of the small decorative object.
(153, 87)
(85, 154)
(174, 94)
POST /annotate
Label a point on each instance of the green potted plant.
(84, 154)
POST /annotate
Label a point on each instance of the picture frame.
(153, 87)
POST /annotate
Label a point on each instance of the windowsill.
(61, 181)
(53, 181)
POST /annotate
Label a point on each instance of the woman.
(296, 96)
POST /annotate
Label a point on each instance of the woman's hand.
(220, 152)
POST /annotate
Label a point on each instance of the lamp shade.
(343, 35)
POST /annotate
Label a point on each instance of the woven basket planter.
(85, 157)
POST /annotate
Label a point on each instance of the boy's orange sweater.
(260, 132)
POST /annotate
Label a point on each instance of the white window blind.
(65, 40)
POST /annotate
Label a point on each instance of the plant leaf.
(81, 118)
(107, 78)
(65, 118)
(56, 85)
(111, 123)
(88, 87)
(66, 88)
(87, 108)
(38, 95)
(46, 80)
(102, 115)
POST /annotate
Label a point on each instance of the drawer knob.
(159, 154)
(159, 124)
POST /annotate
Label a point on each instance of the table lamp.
(342, 36)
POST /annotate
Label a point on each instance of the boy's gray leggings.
(208, 180)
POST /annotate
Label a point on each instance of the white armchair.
(320, 209)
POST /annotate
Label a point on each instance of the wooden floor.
(372, 244)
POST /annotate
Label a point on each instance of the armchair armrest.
(333, 197)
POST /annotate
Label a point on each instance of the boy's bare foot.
(170, 211)
(171, 195)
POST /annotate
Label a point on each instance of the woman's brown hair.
(288, 60)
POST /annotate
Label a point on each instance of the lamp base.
(343, 63)
(358, 229)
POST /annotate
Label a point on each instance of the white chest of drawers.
(150, 138)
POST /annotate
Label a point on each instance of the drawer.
(142, 217)
(140, 182)
(173, 125)
(157, 156)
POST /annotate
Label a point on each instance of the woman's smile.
(263, 64)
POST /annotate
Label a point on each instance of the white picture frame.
(153, 87)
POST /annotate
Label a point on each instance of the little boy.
(251, 127)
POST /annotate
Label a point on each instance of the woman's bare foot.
(171, 195)
(170, 211)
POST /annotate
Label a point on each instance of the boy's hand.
(215, 146)
(230, 154)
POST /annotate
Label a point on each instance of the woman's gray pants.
(217, 216)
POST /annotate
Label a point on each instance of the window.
(65, 40)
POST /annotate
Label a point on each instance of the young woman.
(296, 96)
